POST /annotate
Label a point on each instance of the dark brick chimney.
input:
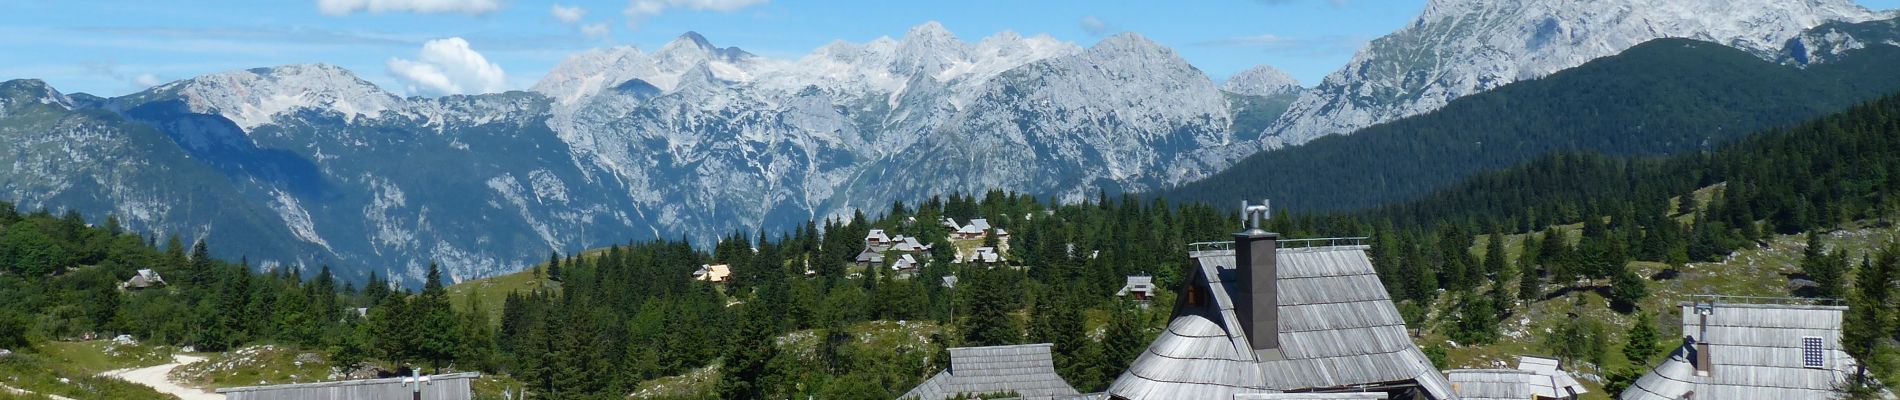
(1258, 303)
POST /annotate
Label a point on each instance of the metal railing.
(1771, 300)
(1228, 245)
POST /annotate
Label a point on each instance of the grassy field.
(70, 369)
(491, 291)
(1762, 270)
(258, 365)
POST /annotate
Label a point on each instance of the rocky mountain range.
(306, 164)
(1460, 47)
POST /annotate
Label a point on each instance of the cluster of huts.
(976, 229)
(903, 255)
(1255, 320)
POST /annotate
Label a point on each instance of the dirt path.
(24, 392)
(158, 377)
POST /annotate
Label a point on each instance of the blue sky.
(111, 47)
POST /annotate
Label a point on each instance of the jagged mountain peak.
(1129, 41)
(696, 39)
(695, 43)
(1460, 47)
(253, 97)
(929, 30)
(585, 73)
(1261, 80)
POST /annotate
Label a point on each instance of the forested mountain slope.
(1667, 96)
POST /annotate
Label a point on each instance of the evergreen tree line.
(61, 279)
(632, 313)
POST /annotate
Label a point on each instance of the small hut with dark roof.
(1258, 319)
(1028, 371)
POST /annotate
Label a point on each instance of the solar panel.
(1811, 352)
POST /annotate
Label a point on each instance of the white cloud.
(568, 14)
(448, 66)
(1097, 27)
(638, 10)
(346, 7)
(595, 29)
(147, 80)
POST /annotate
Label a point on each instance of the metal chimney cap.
(1251, 215)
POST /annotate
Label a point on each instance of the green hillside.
(1667, 96)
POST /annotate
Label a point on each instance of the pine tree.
(393, 329)
(199, 271)
(1530, 283)
(1066, 330)
(1686, 203)
(989, 321)
(296, 323)
(580, 367)
(1869, 319)
(1122, 342)
(1626, 289)
(1495, 262)
(1476, 320)
(1826, 270)
(1555, 256)
(349, 350)
(746, 374)
(1643, 341)
(436, 332)
(476, 342)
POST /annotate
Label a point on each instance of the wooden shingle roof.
(1500, 384)
(1338, 331)
(448, 386)
(1027, 370)
(1755, 351)
(1137, 283)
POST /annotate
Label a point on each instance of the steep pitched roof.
(1755, 351)
(1028, 370)
(1535, 378)
(909, 244)
(713, 272)
(1137, 283)
(1338, 331)
(870, 256)
(904, 262)
(1495, 384)
(1560, 382)
(145, 278)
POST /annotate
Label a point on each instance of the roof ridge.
(1770, 306)
(1006, 346)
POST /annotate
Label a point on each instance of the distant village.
(903, 256)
